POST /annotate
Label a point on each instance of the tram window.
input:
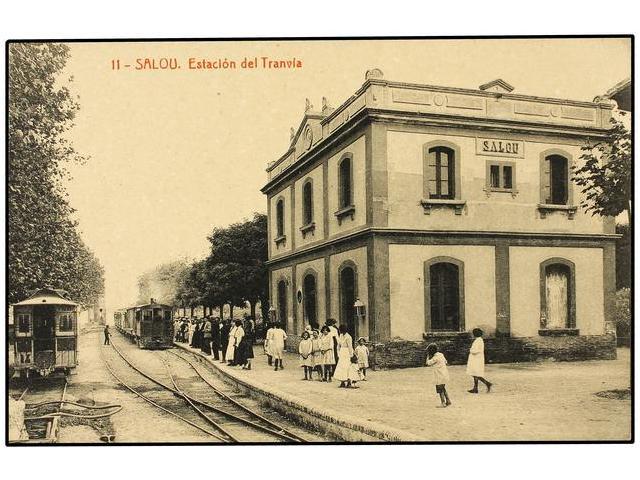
(24, 322)
(157, 314)
(167, 314)
(138, 315)
(65, 322)
(147, 315)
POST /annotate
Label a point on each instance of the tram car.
(152, 325)
(123, 323)
(45, 333)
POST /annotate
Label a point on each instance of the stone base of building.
(402, 353)
(455, 347)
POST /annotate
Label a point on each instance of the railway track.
(212, 412)
(41, 422)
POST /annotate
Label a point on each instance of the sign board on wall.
(497, 147)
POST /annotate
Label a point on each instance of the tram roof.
(48, 296)
(151, 305)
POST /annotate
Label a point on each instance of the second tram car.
(151, 325)
(46, 333)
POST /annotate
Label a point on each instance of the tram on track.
(45, 333)
(149, 325)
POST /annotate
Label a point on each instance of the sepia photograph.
(271, 241)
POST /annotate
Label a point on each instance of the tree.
(163, 282)
(44, 245)
(239, 253)
(605, 174)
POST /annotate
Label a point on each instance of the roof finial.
(308, 106)
(373, 73)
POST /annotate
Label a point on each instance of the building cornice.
(433, 120)
(398, 232)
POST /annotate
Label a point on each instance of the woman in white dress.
(475, 363)
(267, 349)
(345, 352)
(231, 347)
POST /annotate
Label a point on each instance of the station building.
(442, 209)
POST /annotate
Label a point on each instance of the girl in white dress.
(437, 360)
(317, 353)
(267, 349)
(362, 352)
(475, 363)
(276, 345)
(305, 349)
(345, 352)
(231, 347)
(328, 359)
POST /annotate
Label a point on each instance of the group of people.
(475, 367)
(229, 341)
(329, 353)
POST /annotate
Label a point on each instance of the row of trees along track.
(225, 419)
(233, 273)
(44, 245)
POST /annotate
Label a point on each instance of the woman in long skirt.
(246, 346)
(345, 352)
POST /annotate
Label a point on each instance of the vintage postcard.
(356, 240)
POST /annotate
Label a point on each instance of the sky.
(175, 153)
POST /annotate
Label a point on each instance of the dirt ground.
(529, 401)
(94, 384)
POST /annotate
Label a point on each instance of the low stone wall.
(403, 353)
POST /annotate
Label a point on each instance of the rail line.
(278, 428)
(224, 435)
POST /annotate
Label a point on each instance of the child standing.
(362, 353)
(437, 360)
(354, 373)
(267, 349)
(475, 363)
(276, 345)
(328, 358)
(305, 349)
(316, 352)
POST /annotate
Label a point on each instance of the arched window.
(557, 294)
(444, 294)
(348, 295)
(441, 172)
(345, 181)
(282, 303)
(307, 203)
(555, 185)
(310, 311)
(280, 218)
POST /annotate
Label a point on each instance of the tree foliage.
(45, 247)
(163, 282)
(605, 174)
(233, 273)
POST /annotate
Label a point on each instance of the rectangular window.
(24, 322)
(65, 322)
(501, 176)
(147, 315)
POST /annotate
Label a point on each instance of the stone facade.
(441, 210)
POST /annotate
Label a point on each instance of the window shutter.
(545, 180)
(430, 174)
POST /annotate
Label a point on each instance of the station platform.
(529, 401)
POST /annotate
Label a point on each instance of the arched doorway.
(282, 303)
(310, 310)
(347, 299)
(445, 296)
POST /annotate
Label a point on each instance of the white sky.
(175, 153)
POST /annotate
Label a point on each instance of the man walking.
(107, 334)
